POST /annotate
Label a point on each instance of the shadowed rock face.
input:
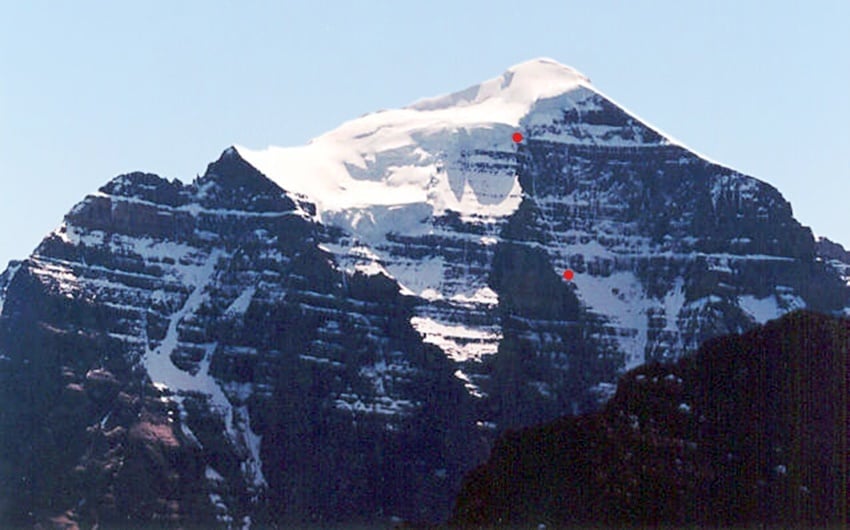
(752, 429)
(187, 355)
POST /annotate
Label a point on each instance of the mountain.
(338, 331)
(669, 248)
(188, 354)
(752, 430)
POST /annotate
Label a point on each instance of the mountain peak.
(523, 83)
(544, 68)
(413, 155)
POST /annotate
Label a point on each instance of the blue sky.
(89, 90)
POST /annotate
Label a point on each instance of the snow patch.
(8, 276)
(76, 236)
(484, 295)
(674, 300)
(460, 343)
(421, 277)
(240, 305)
(166, 375)
(57, 273)
(603, 391)
(155, 250)
(381, 405)
(622, 298)
(158, 363)
(320, 360)
(252, 467)
(213, 475)
(471, 387)
(760, 309)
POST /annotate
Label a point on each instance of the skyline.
(94, 90)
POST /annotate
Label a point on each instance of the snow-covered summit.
(412, 155)
(522, 84)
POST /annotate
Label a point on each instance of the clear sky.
(89, 90)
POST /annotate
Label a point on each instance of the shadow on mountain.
(750, 430)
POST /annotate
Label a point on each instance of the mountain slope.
(751, 430)
(189, 354)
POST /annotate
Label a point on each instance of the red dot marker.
(568, 275)
(517, 137)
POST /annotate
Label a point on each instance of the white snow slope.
(391, 172)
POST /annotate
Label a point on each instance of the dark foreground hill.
(750, 430)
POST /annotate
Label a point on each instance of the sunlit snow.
(166, 375)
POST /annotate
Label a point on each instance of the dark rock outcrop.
(753, 429)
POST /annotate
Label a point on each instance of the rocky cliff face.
(187, 354)
(339, 331)
(835, 257)
(751, 430)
